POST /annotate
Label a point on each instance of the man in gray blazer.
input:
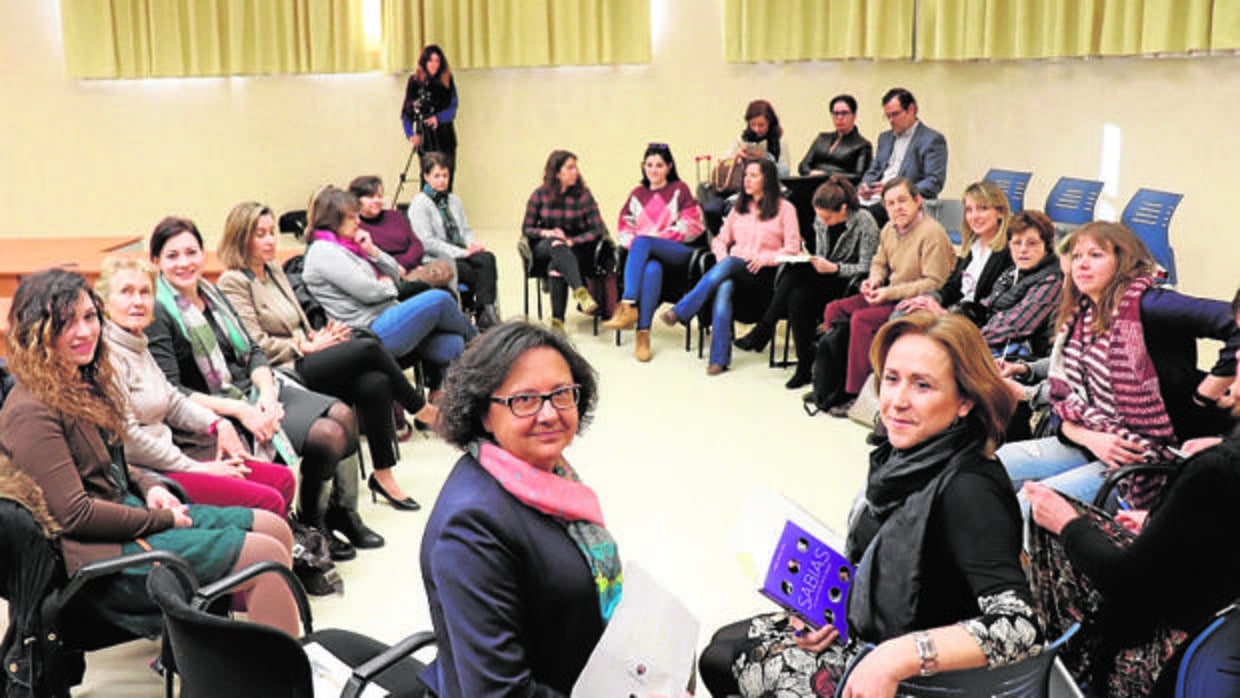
(910, 149)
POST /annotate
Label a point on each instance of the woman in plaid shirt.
(561, 220)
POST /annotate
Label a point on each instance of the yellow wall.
(113, 157)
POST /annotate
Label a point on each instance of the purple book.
(809, 579)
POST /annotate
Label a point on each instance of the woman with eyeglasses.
(843, 151)
(657, 222)
(520, 573)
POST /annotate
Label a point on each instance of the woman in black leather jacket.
(843, 151)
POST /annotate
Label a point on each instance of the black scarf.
(889, 532)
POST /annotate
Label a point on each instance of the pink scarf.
(557, 496)
(325, 235)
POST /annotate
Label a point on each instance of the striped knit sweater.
(1108, 382)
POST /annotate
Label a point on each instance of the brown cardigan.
(69, 461)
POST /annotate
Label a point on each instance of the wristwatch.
(926, 653)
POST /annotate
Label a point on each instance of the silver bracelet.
(926, 653)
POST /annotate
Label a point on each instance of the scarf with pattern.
(204, 347)
(1108, 382)
(449, 223)
(561, 495)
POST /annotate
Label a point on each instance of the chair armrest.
(210, 592)
(1114, 477)
(102, 568)
(363, 674)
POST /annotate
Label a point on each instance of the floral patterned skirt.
(1066, 596)
(772, 666)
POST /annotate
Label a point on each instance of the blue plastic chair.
(1211, 664)
(949, 213)
(1013, 184)
(1071, 203)
(1149, 215)
(1027, 679)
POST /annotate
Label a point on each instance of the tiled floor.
(672, 454)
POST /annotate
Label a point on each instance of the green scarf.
(204, 347)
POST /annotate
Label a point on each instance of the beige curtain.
(1028, 29)
(191, 38)
(517, 33)
(799, 30)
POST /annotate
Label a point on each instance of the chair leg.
(526, 289)
(689, 336)
(617, 337)
(540, 295)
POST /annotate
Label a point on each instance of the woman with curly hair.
(63, 426)
(520, 572)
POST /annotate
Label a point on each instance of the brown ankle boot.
(642, 352)
(624, 318)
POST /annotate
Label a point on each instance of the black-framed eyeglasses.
(841, 114)
(530, 404)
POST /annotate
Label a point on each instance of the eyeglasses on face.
(841, 114)
(529, 404)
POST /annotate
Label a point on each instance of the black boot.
(756, 339)
(486, 317)
(349, 524)
(802, 377)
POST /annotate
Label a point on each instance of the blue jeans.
(429, 325)
(643, 273)
(719, 283)
(1053, 463)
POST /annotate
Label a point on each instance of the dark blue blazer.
(925, 163)
(511, 596)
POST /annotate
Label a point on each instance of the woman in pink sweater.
(760, 230)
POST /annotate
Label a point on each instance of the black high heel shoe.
(406, 504)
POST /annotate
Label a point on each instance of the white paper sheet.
(329, 674)
(648, 647)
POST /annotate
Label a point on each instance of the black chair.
(1117, 475)
(293, 223)
(220, 656)
(677, 283)
(602, 258)
(52, 623)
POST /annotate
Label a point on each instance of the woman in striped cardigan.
(1124, 380)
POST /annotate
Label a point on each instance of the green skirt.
(211, 547)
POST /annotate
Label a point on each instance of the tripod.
(404, 175)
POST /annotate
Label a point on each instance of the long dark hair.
(663, 151)
(761, 107)
(551, 184)
(769, 206)
(43, 306)
(444, 74)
